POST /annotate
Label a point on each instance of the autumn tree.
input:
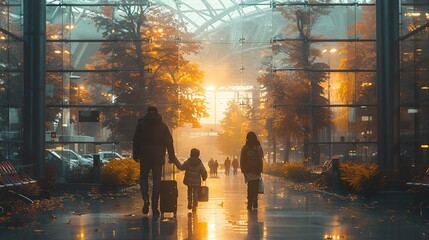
(145, 52)
(57, 57)
(11, 62)
(294, 86)
(234, 129)
(359, 85)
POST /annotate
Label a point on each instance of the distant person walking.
(194, 172)
(211, 167)
(215, 166)
(151, 140)
(227, 165)
(251, 167)
(235, 166)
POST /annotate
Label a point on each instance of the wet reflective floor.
(283, 213)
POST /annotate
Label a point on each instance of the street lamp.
(332, 50)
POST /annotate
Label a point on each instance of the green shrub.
(120, 172)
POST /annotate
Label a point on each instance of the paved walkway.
(283, 214)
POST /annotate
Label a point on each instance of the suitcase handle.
(174, 172)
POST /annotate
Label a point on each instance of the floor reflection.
(158, 228)
(196, 229)
(254, 227)
(283, 213)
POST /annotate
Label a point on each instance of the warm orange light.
(424, 146)
(412, 14)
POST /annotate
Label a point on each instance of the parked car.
(58, 161)
(106, 156)
(72, 156)
(88, 156)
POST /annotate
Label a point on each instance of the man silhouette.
(151, 140)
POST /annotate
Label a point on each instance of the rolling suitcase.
(168, 196)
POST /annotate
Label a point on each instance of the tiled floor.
(283, 214)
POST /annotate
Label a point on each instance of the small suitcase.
(168, 196)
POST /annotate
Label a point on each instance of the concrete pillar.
(388, 84)
(34, 84)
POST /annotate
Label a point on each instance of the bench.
(420, 181)
(10, 178)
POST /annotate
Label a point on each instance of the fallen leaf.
(79, 213)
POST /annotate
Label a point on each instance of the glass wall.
(11, 81)
(104, 66)
(313, 63)
(321, 70)
(414, 84)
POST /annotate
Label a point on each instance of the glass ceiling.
(207, 15)
(232, 31)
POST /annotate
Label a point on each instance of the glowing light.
(212, 227)
(424, 88)
(211, 88)
(424, 146)
(212, 231)
(57, 51)
(412, 14)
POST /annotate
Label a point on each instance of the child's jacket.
(194, 171)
